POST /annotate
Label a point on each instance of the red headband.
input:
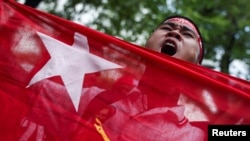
(192, 27)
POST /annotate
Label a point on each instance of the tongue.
(169, 50)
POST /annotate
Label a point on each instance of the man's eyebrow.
(183, 27)
(170, 24)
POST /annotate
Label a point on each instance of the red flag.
(64, 81)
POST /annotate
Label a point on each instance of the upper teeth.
(170, 44)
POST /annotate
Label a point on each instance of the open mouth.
(169, 48)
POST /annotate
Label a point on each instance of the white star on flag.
(71, 63)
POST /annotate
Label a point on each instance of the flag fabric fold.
(62, 81)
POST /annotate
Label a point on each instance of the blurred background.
(225, 25)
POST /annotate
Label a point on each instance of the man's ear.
(198, 62)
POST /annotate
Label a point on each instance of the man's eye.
(188, 34)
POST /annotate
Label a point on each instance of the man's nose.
(175, 34)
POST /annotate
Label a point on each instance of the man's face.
(176, 39)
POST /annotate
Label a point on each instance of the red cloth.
(62, 81)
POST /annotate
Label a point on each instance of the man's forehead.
(183, 22)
